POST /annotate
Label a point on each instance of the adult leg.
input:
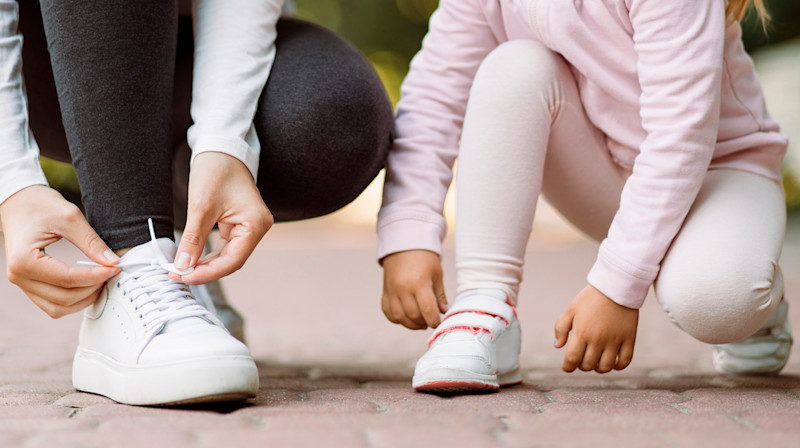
(112, 66)
(324, 122)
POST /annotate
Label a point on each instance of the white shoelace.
(156, 297)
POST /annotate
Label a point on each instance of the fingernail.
(555, 343)
(110, 255)
(183, 260)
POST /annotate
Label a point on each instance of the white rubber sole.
(447, 380)
(226, 378)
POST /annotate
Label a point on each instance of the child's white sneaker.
(476, 347)
(764, 353)
(146, 341)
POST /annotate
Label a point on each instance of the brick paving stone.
(772, 382)
(647, 417)
(511, 399)
(306, 384)
(302, 404)
(426, 434)
(134, 436)
(307, 437)
(38, 384)
(11, 399)
(37, 425)
(781, 420)
(581, 438)
(108, 412)
(738, 401)
(556, 379)
(732, 438)
(82, 400)
(33, 411)
(673, 383)
(615, 397)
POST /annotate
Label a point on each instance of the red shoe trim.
(481, 312)
(472, 329)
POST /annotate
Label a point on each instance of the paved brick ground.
(335, 373)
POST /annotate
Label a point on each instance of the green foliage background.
(389, 33)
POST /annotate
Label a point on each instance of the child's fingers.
(625, 356)
(441, 298)
(591, 357)
(562, 328)
(607, 360)
(387, 309)
(399, 313)
(428, 307)
(574, 355)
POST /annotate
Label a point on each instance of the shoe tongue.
(148, 251)
(496, 294)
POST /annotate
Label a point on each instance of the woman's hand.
(603, 333)
(413, 291)
(221, 191)
(35, 217)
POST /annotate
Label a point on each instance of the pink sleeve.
(679, 44)
(428, 127)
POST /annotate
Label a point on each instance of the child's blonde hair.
(736, 10)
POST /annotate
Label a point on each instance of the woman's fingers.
(77, 230)
(55, 310)
(231, 257)
(46, 269)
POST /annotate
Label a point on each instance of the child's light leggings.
(525, 133)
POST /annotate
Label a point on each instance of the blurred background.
(389, 33)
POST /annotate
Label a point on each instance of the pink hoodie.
(668, 83)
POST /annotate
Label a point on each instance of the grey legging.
(109, 89)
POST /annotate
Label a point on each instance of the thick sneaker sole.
(447, 381)
(204, 380)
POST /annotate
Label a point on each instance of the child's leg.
(720, 280)
(525, 130)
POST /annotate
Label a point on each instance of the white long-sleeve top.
(234, 52)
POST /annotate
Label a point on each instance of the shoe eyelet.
(118, 286)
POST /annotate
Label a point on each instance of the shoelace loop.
(149, 289)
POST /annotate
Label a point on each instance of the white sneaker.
(476, 347)
(212, 297)
(764, 353)
(146, 341)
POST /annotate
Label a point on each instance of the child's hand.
(603, 333)
(413, 292)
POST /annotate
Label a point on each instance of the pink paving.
(334, 372)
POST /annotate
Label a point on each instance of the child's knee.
(719, 305)
(521, 65)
